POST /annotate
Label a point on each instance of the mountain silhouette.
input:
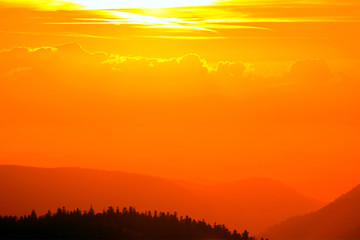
(43, 189)
(252, 204)
(338, 220)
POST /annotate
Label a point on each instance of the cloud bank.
(73, 66)
(156, 115)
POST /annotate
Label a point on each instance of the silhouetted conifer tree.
(111, 224)
(245, 235)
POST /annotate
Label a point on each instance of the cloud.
(231, 69)
(39, 4)
(18, 70)
(190, 75)
(65, 100)
(71, 81)
(310, 71)
(187, 63)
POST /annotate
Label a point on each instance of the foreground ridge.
(112, 224)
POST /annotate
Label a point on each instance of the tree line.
(112, 224)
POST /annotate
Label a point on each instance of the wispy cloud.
(214, 19)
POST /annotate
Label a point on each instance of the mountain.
(43, 189)
(252, 204)
(338, 220)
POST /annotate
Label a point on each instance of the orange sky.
(201, 90)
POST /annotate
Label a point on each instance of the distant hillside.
(26, 188)
(338, 220)
(255, 202)
(251, 204)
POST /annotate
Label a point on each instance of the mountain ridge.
(231, 203)
(338, 220)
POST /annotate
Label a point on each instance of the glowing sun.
(123, 4)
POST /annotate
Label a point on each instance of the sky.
(199, 90)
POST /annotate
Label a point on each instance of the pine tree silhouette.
(111, 224)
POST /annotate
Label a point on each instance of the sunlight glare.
(121, 4)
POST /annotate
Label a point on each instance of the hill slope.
(253, 204)
(26, 188)
(338, 220)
